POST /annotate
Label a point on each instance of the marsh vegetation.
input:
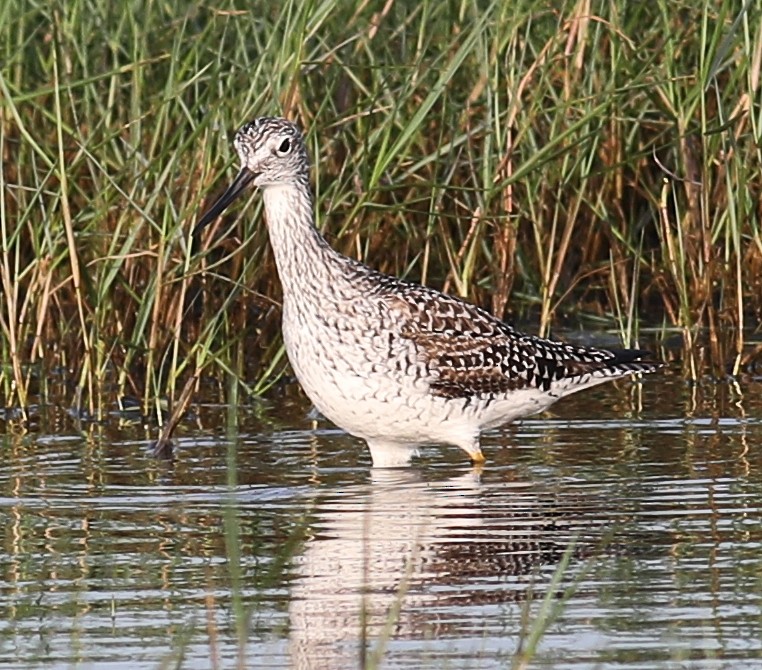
(562, 163)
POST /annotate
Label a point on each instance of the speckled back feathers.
(470, 353)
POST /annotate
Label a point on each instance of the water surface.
(269, 541)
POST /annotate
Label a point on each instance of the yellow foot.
(477, 457)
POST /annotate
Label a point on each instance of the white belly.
(379, 394)
(366, 398)
(369, 391)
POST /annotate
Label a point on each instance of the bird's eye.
(285, 146)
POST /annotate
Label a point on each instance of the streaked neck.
(302, 255)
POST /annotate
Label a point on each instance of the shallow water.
(271, 542)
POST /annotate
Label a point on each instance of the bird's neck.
(304, 259)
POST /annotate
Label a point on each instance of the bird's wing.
(471, 353)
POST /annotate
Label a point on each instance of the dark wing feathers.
(472, 353)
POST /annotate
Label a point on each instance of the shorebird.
(397, 364)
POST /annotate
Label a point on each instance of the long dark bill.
(242, 180)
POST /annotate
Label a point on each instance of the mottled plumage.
(395, 363)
